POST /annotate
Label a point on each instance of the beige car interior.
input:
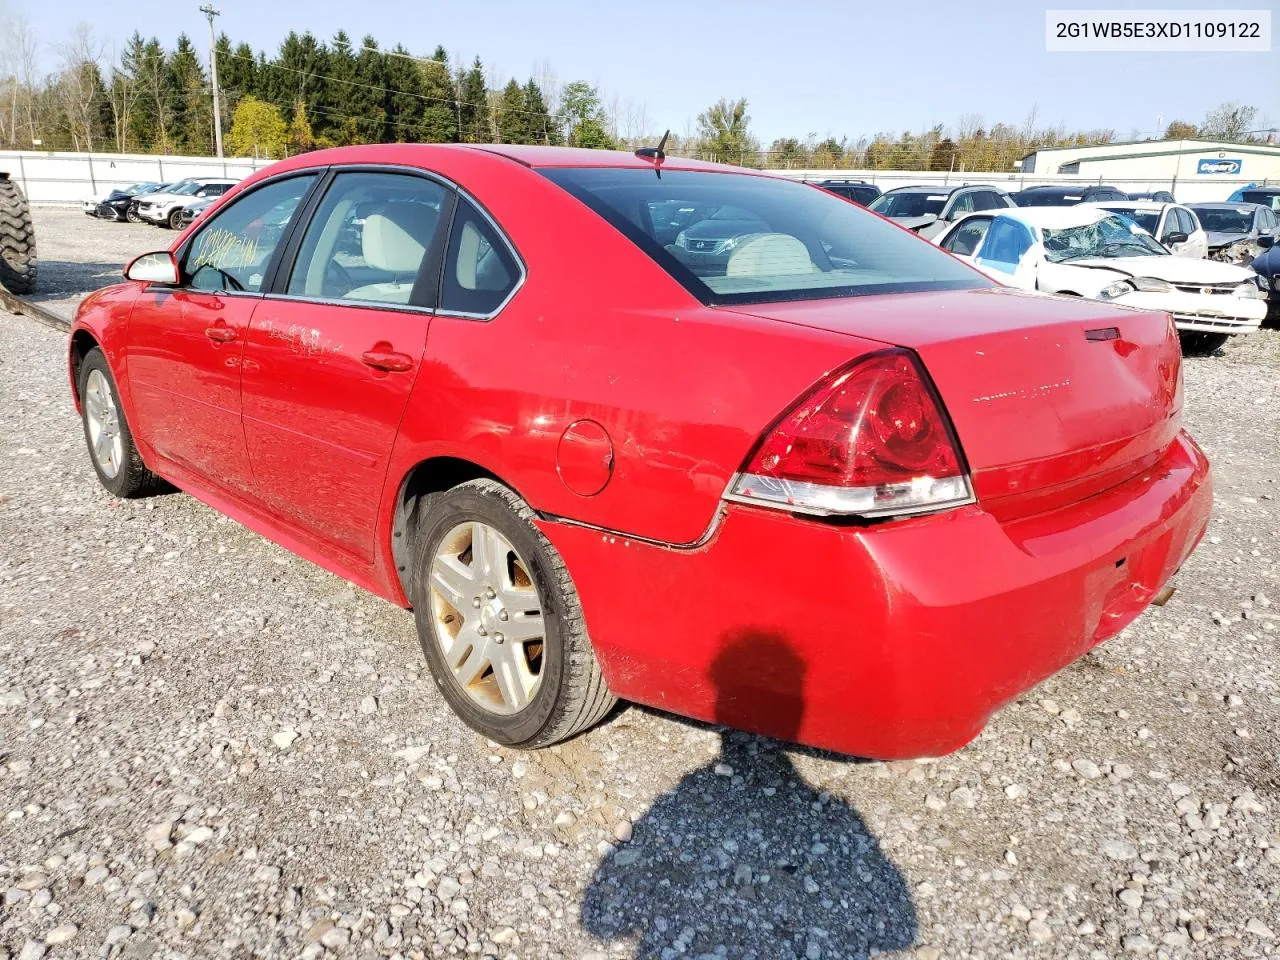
(770, 255)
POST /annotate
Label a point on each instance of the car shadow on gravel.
(743, 858)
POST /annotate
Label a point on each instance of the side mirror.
(160, 268)
(1266, 241)
(1172, 238)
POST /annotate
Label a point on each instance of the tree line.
(312, 93)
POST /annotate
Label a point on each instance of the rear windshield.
(911, 204)
(1225, 220)
(1148, 220)
(736, 238)
(1047, 198)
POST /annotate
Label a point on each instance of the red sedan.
(686, 435)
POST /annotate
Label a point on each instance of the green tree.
(151, 123)
(945, 155)
(333, 127)
(585, 117)
(510, 115)
(475, 106)
(788, 152)
(542, 128)
(257, 130)
(188, 90)
(440, 104)
(1229, 121)
(724, 128)
(301, 138)
(365, 101)
(404, 98)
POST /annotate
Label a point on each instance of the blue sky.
(804, 67)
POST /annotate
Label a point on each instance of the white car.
(1174, 225)
(165, 209)
(1084, 251)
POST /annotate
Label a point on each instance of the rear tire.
(115, 457)
(1202, 344)
(568, 693)
(17, 240)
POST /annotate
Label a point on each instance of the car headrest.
(769, 255)
(395, 237)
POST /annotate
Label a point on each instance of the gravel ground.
(210, 748)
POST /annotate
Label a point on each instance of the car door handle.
(220, 333)
(387, 360)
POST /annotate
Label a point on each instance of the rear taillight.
(870, 440)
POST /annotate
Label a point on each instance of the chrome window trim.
(511, 248)
(338, 302)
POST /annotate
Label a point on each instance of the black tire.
(17, 240)
(572, 695)
(1202, 344)
(175, 219)
(133, 479)
(131, 214)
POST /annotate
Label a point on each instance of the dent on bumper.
(893, 640)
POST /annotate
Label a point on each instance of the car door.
(185, 343)
(1003, 253)
(333, 352)
(1197, 245)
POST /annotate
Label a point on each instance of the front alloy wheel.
(102, 425)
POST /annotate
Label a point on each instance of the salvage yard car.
(1176, 227)
(604, 469)
(1237, 232)
(165, 209)
(1051, 196)
(122, 205)
(929, 210)
(1085, 251)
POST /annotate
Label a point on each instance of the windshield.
(1148, 220)
(186, 189)
(1111, 236)
(736, 238)
(1225, 219)
(909, 204)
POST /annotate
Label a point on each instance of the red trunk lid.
(1053, 400)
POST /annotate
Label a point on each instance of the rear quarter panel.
(600, 332)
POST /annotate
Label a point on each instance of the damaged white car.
(1088, 252)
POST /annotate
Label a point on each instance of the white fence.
(71, 177)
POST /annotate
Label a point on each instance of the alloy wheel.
(488, 617)
(105, 441)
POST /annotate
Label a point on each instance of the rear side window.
(480, 272)
(369, 239)
(756, 239)
(233, 250)
(1007, 241)
(987, 200)
(966, 237)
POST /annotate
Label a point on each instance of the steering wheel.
(336, 275)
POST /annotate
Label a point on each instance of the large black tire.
(131, 213)
(132, 479)
(175, 219)
(571, 694)
(1202, 344)
(17, 240)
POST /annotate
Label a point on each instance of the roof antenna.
(656, 154)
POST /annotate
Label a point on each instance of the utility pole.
(209, 11)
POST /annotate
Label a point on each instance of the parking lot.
(210, 747)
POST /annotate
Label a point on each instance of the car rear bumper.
(893, 640)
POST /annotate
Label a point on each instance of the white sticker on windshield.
(942, 196)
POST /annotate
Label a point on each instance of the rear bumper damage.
(892, 640)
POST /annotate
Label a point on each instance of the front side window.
(1007, 241)
(369, 239)
(1266, 219)
(754, 239)
(233, 250)
(479, 269)
(964, 204)
(1186, 222)
(965, 238)
(1111, 236)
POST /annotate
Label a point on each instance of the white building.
(1184, 162)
